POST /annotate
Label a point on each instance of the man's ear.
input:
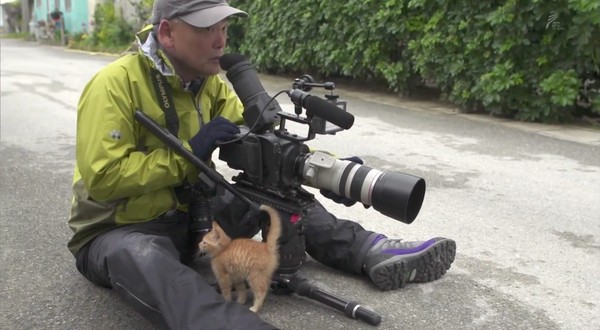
(164, 33)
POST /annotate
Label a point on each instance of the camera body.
(271, 157)
(269, 164)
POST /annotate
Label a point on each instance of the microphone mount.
(306, 83)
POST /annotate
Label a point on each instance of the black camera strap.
(164, 96)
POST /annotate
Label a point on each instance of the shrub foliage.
(531, 60)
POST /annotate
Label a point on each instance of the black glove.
(337, 198)
(205, 141)
(235, 216)
(253, 218)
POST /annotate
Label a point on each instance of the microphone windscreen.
(328, 111)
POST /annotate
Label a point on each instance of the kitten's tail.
(274, 230)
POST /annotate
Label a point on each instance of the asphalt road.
(521, 200)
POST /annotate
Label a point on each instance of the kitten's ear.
(217, 229)
(215, 226)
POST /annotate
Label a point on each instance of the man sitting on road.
(129, 212)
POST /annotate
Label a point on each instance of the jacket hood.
(149, 47)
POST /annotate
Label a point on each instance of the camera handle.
(282, 282)
(296, 284)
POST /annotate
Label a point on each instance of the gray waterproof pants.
(146, 265)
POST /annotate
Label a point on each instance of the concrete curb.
(72, 50)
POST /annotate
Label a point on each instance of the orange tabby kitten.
(243, 259)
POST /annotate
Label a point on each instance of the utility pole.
(26, 16)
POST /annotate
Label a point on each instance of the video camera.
(275, 163)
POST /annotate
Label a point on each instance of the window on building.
(67, 5)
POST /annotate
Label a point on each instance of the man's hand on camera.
(337, 198)
(205, 141)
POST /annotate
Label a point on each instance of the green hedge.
(531, 60)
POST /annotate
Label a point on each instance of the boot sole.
(425, 266)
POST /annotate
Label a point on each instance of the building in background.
(78, 15)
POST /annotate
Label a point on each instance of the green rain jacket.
(124, 174)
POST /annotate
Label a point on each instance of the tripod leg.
(350, 308)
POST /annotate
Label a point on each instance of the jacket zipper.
(197, 104)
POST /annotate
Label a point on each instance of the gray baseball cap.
(200, 13)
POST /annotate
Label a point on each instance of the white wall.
(127, 9)
(91, 9)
